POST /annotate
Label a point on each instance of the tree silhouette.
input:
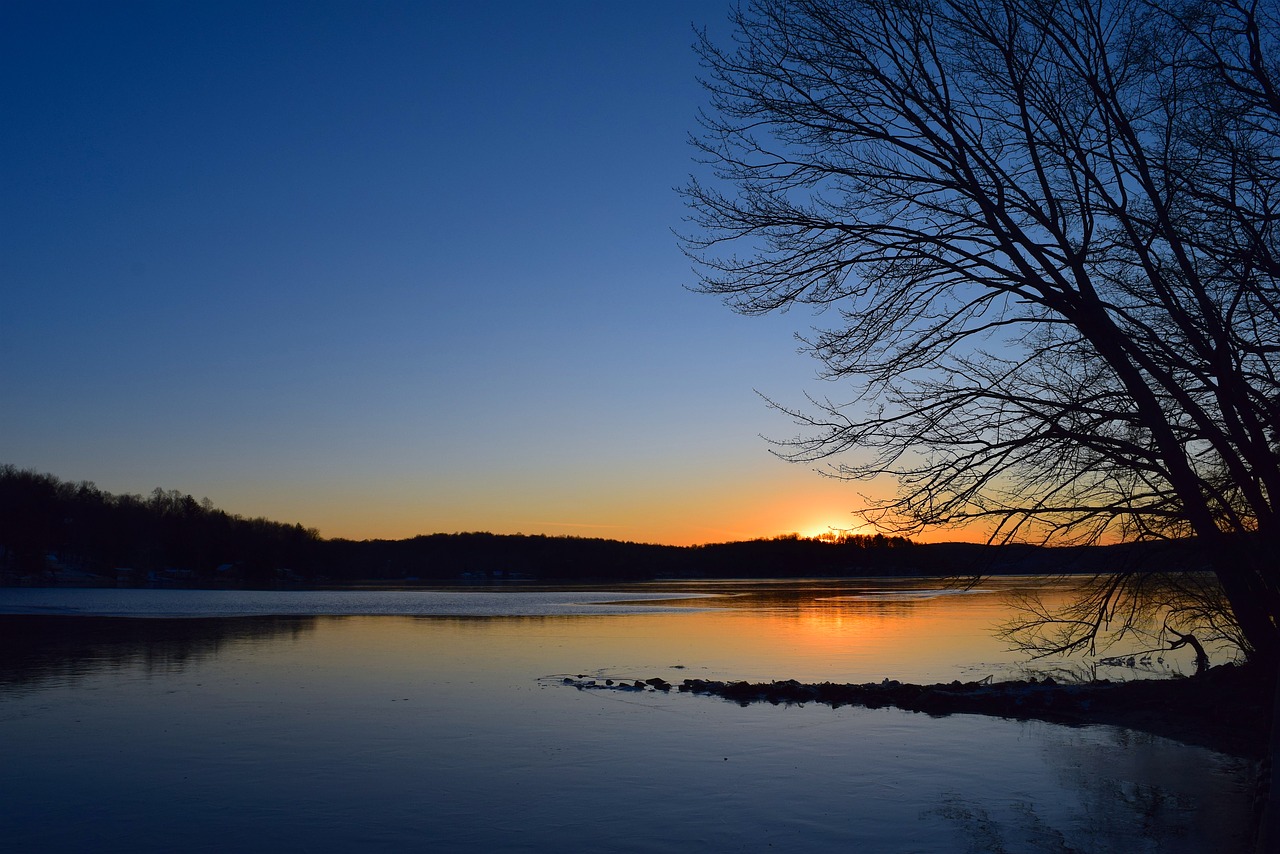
(1047, 233)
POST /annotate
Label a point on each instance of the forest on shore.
(61, 532)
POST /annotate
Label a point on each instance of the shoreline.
(1227, 709)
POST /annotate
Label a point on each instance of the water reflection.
(340, 733)
(907, 628)
(43, 650)
(1118, 791)
(896, 595)
(851, 630)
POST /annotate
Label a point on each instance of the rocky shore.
(1227, 708)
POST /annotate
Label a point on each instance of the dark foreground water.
(437, 721)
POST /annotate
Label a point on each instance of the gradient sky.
(383, 269)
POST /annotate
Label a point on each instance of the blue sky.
(382, 269)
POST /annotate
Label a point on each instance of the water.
(471, 602)
(323, 728)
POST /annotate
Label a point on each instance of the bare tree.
(1046, 230)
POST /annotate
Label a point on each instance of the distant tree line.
(47, 523)
(53, 530)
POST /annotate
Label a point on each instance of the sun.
(817, 531)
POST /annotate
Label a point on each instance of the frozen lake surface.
(420, 720)
(472, 602)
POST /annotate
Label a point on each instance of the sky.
(384, 269)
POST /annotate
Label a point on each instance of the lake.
(159, 720)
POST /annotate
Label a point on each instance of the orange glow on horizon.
(698, 512)
(685, 535)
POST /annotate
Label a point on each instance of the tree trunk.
(1246, 571)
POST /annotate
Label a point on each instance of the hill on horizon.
(55, 531)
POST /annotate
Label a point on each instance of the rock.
(1228, 709)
